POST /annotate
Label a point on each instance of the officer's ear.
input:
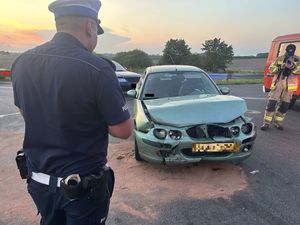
(90, 28)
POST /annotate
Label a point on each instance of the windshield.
(119, 67)
(175, 84)
(284, 45)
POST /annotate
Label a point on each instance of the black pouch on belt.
(98, 185)
(21, 163)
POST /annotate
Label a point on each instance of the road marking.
(253, 112)
(253, 98)
(10, 114)
(6, 87)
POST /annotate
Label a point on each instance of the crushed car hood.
(191, 110)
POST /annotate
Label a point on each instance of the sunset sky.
(248, 25)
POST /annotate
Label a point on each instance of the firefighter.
(283, 85)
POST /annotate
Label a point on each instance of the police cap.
(87, 8)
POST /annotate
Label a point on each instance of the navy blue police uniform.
(68, 98)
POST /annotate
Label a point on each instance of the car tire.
(136, 152)
(292, 103)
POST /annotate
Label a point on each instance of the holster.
(71, 187)
(21, 164)
(97, 186)
(101, 185)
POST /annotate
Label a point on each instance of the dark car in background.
(127, 79)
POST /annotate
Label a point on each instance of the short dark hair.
(70, 23)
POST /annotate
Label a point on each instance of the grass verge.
(240, 81)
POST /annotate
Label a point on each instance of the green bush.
(133, 59)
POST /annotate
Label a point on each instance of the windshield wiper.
(148, 98)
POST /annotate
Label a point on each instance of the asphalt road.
(271, 195)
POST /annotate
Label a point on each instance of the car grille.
(208, 131)
(188, 152)
(196, 132)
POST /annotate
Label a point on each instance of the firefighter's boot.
(267, 120)
(278, 126)
(280, 115)
(265, 126)
(269, 114)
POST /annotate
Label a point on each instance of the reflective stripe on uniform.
(279, 118)
(273, 68)
(268, 118)
(273, 85)
(297, 70)
(292, 84)
(292, 87)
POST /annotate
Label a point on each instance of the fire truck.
(277, 49)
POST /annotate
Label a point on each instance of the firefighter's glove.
(290, 65)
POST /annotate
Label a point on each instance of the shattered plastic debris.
(254, 172)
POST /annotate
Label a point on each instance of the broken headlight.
(235, 131)
(247, 128)
(160, 133)
(175, 134)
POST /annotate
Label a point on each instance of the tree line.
(216, 55)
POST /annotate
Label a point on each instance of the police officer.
(71, 101)
(282, 89)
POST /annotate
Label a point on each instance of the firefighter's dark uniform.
(68, 97)
(283, 84)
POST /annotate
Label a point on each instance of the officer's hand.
(283, 65)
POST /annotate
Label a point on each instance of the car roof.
(172, 68)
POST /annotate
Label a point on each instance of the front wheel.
(136, 152)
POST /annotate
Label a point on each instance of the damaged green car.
(181, 116)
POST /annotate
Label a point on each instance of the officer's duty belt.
(43, 178)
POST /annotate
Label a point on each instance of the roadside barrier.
(226, 76)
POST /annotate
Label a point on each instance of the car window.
(174, 84)
(284, 45)
(119, 67)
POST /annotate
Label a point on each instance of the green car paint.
(190, 110)
(183, 114)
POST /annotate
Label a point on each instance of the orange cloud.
(18, 36)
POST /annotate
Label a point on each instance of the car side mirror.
(225, 90)
(131, 93)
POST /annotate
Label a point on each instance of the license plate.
(216, 147)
